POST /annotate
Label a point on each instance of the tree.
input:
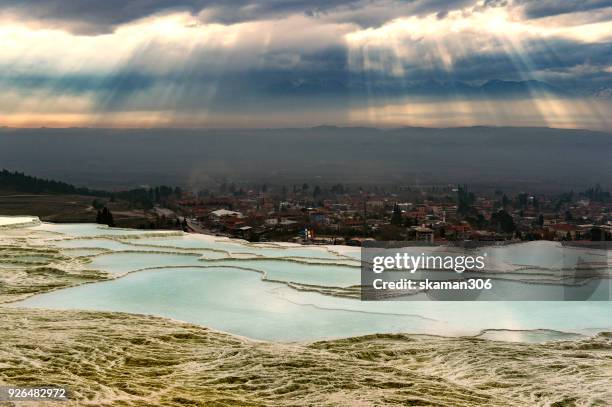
(599, 234)
(442, 233)
(465, 199)
(105, 217)
(522, 199)
(396, 217)
(503, 222)
(390, 232)
(410, 222)
(109, 217)
(505, 201)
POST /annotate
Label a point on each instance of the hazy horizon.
(537, 158)
(317, 126)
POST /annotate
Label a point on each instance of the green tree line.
(139, 197)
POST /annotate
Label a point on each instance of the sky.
(295, 63)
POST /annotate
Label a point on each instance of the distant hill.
(12, 181)
(119, 159)
(17, 182)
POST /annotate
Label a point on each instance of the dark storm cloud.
(78, 83)
(553, 55)
(546, 8)
(102, 16)
(95, 16)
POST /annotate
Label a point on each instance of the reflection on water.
(239, 302)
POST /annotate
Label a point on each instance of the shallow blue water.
(223, 295)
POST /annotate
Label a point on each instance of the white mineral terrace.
(286, 292)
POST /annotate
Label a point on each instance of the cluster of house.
(355, 219)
